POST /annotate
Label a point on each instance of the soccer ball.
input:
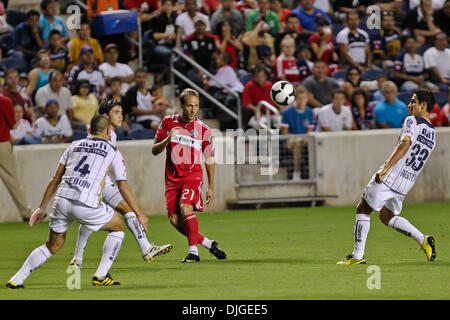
(282, 93)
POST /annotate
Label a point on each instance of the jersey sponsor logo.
(425, 141)
(194, 133)
(91, 150)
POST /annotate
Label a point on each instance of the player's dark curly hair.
(106, 105)
(424, 95)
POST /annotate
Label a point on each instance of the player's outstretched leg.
(403, 226)
(360, 232)
(37, 258)
(111, 248)
(83, 237)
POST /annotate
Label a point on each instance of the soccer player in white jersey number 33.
(78, 183)
(388, 187)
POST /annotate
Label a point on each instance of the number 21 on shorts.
(186, 194)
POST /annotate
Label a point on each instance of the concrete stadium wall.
(346, 162)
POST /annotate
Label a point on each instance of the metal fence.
(268, 158)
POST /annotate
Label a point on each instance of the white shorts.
(65, 212)
(111, 194)
(380, 195)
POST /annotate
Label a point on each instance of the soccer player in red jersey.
(188, 142)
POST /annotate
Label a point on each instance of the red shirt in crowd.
(136, 4)
(7, 118)
(287, 67)
(253, 93)
(444, 115)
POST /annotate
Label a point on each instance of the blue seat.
(441, 98)
(14, 17)
(339, 75)
(405, 96)
(137, 134)
(78, 135)
(372, 74)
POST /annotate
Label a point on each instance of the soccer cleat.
(12, 285)
(350, 260)
(75, 264)
(216, 251)
(191, 258)
(429, 248)
(106, 281)
(157, 251)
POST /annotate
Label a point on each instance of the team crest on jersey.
(194, 133)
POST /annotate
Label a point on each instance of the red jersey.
(7, 118)
(444, 115)
(187, 149)
(253, 93)
(287, 67)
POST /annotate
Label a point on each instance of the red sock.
(200, 238)
(191, 229)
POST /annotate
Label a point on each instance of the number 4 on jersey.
(85, 170)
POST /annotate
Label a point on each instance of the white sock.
(193, 249)
(404, 226)
(138, 232)
(111, 249)
(83, 237)
(36, 259)
(362, 227)
(206, 243)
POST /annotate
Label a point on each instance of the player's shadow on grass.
(271, 260)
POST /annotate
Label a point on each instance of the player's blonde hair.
(186, 93)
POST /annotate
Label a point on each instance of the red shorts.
(188, 191)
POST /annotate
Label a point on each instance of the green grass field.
(273, 254)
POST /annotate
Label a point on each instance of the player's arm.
(399, 151)
(128, 196)
(162, 145)
(210, 166)
(39, 213)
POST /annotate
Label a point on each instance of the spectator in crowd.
(23, 82)
(256, 90)
(387, 43)
(4, 26)
(55, 90)
(12, 91)
(298, 119)
(322, 42)
(116, 89)
(286, 63)
(437, 59)
(352, 81)
(201, 47)
(307, 14)
(226, 42)
(294, 30)
(59, 55)
(49, 20)
(342, 7)
(335, 116)
(9, 173)
(378, 95)
(88, 70)
(228, 13)
(185, 21)
(95, 7)
(435, 4)
(353, 44)
(139, 102)
(282, 13)
(319, 85)
(111, 68)
(362, 112)
(26, 36)
(38, 77)
(226, 75)
(260, 45)
(53, 127)
(419, 22)
(409, 69)
(263, 13)
(441, 18)
(164, 36)
(85, 105)
(444, 114)
(304, 62)
(391, 112)
(22, 133)
(82, 40)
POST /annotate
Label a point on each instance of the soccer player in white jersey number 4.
(78, 183)
(113, 198)
(390, 184)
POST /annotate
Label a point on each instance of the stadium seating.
(78, 135)
(371, 74)
(137, 134)
(121, 136)
(405, 96)
(441, 98)
(340, 75)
